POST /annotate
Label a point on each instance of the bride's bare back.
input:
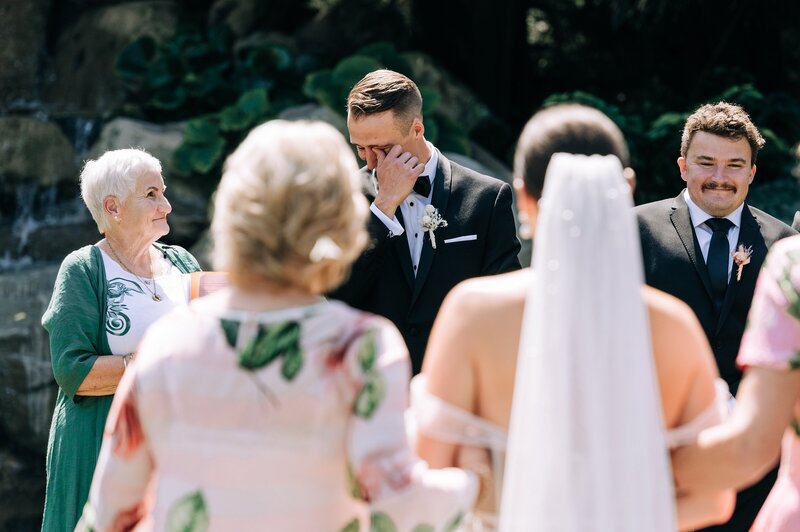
(472, 353)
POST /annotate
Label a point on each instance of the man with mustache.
(706, 246)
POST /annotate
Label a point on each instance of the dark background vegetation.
(646, 63)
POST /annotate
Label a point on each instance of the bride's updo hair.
(564, 128)
(289, 208)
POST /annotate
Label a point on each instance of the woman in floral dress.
(263, 406)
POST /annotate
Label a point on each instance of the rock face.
(27, 396)
(22, 51)
(83, 79)
(33, 151)
(41, 215)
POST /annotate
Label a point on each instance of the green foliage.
(371, 395)
(198, 75)
(780, 197)
(188, 514)
(271, 343)
(352, 526)
(202, 147)
(184, 76)
(330, 87)
(381, 522)
(224, 90)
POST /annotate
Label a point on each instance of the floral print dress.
(285, 420)
(772, 340)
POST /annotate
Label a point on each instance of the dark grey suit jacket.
(674, 263)
(382, 280)
(796, 221)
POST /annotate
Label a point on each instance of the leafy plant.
(207, 139)
(223, 90)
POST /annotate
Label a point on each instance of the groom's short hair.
(385, 90)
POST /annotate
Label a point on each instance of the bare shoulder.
(472, 309)
(678, 338)
(484, 294)
(666, 308)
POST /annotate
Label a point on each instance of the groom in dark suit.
(434, 223)
(706, 246)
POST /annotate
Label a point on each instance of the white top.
(131, 308)
(704, 232)
(412, 208)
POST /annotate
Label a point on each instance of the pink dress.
(284, 420)
(772, 340)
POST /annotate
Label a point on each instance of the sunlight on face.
(144, 212)
(718, 172)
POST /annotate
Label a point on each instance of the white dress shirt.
(412, 208)
(704, 232)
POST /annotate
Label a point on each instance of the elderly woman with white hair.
(105, 296)
(264, 406)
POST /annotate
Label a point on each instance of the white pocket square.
(465, 238)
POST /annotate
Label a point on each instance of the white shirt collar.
(433, 162)
(699, 216)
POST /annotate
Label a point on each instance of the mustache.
(719, 186)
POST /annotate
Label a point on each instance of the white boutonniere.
(741, 257)
(431, 221)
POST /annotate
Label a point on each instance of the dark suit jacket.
(796, 221)
(673, 262)
(382, 280)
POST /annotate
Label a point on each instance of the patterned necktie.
(423, 186)
(718, 253)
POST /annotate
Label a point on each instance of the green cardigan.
(75, 320)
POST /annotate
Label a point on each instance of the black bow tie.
(423, 186)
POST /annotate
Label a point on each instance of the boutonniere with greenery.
(741, 257)
(431, 221)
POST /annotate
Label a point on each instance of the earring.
(524, 229)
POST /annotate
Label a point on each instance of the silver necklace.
(153, 291)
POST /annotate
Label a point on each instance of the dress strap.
(443, 421)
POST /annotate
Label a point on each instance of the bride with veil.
(596, 365)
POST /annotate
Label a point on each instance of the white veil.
(587, 449)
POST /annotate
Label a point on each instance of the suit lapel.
(749, 236)
(683, 226)
(441, 195)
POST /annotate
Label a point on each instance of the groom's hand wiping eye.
(396, 171)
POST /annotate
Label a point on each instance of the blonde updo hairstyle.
(289, 208)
